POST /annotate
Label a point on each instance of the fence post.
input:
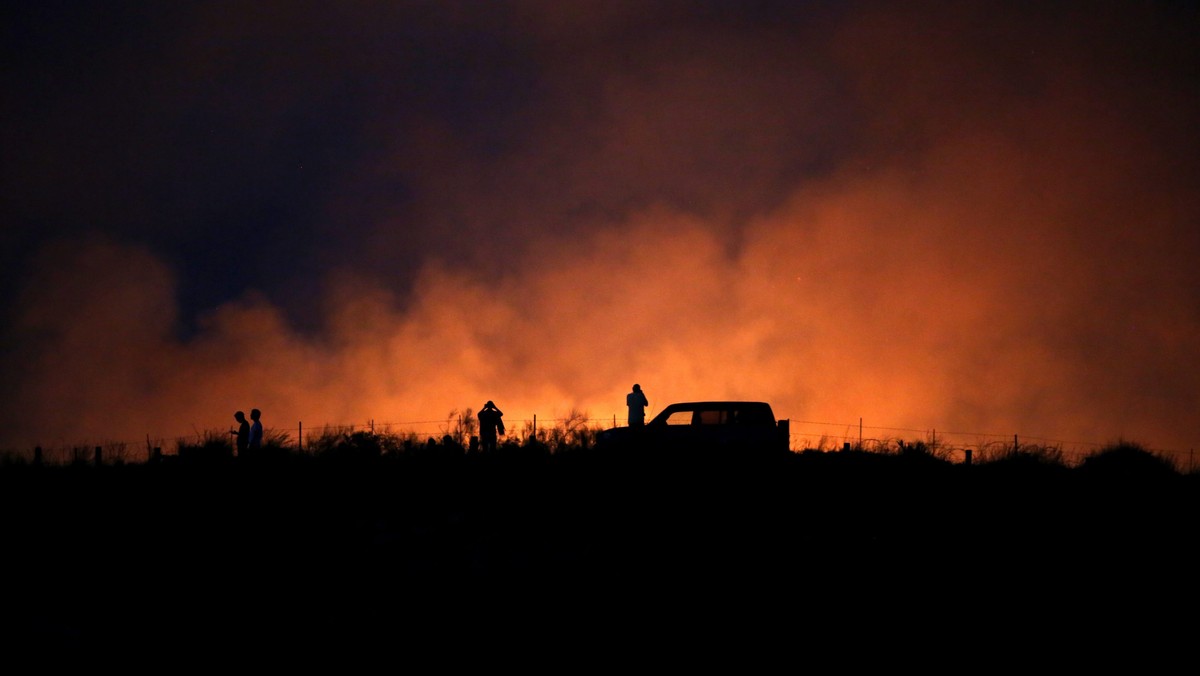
(37, 455)
(967, 453)
(300, 437)
(99, 457)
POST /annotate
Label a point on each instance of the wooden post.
(300, 436)
(99, 457)
(1016, 445)
(37, 455)
(967, 453)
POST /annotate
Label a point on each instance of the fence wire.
(804, 435)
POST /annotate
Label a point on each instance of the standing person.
(636, 401)
(254, 443)
(242, 433)
(490, 422)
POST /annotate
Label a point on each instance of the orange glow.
(999, 242)
(856, 298)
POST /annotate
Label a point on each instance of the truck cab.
(706, 426)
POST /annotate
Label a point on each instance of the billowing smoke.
(953, 220)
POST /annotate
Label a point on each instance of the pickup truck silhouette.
(706, 426)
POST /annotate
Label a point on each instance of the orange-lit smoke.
(909, 302)
(1025, 267)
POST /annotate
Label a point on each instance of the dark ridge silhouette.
(365, 542)
(1128, 460)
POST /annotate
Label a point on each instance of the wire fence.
(950, 444)
(805, 435)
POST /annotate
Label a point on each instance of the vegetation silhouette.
(385, 538)
(1125, 459)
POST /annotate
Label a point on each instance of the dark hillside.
(310, 552)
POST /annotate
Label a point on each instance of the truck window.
(679, 418)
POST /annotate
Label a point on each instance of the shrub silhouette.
(357, 446)
(1126, 459)
(211, 446)
(1028, 461)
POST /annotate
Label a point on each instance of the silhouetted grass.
(387, 537)
(1126, 459)
(210, 445)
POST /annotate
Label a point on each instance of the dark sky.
(977, 217)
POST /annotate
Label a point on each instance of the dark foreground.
(624, 562)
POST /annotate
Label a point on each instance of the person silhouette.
(242, 434)
(490, 423)
(254, 442)
(637, 403)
